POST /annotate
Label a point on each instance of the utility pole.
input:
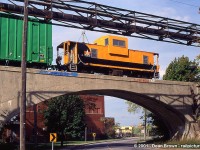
(85, 134)
(145, 123)
(23, 72)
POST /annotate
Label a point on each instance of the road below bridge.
(124, 144)
(132, 143)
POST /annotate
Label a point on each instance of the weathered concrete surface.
(171, 101)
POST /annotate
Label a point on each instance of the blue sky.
(177, 9)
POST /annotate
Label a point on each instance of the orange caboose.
(109, 55)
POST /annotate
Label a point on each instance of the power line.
(184, 3)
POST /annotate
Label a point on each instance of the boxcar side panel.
(4, 38)
(11, 38)
(39, 40)
(19, 39)
(34, 40)
(49, 53)
(43, 43)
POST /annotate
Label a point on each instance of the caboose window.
(115, 42)
(94, 53)
(106, 42)
(118, 43)
(145, 59)
(122, 43)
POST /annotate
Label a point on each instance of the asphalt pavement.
(124, 144)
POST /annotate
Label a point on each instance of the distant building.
(93, 119)
(124, 131)
(35, 112)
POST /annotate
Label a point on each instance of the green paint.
(39, 46)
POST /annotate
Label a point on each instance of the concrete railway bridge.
(172, 101)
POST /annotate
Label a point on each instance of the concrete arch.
(170, 116)
(173, 119)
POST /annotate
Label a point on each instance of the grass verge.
(47, 146)
(184, 141)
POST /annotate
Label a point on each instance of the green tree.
(65, 115)
(110, 126)
(117, 125)
(150, 120)
(158, 128)
(137, 131)
(134, 108)
(197, 60)
(182, 69)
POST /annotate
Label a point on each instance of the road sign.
(53, 137)
(94, 134)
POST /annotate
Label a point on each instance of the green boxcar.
(39, 40)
